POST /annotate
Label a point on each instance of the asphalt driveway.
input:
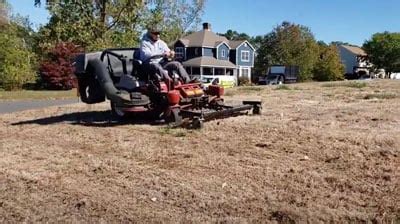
(20, 105)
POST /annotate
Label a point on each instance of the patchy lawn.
(320, 152)
(37, 95)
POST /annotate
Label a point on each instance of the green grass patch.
(380, 96)
(250, 88)
(37, 94)
(283, 87)
(357, 85)
(176, 132)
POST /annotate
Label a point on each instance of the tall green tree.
(328, 66)
(92, 24)
(176, 17)
(288, 44)
(234, 35)
(383, 50)
(97, 24)
(16, 59)
(3, 12)
(256, 41)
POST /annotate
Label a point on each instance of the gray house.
(206, 53)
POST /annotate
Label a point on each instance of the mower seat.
(137, 65)
(117, 61)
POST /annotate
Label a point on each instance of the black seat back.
(137, 64)
(118, 61)
(138, 68)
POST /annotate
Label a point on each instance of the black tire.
(197, 123)
(257, 109)
(90, 91)
(117, 112)
(175, 119)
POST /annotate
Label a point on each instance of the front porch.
(195, 71)
(209, 66)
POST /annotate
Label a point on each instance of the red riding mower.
(118, 75)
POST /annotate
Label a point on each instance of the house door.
(244, 72)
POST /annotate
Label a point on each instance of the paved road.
(14, 106)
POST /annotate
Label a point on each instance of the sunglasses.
(155, 33)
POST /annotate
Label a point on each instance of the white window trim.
(248, 56)
(240, 72)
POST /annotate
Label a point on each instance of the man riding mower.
(136, 82)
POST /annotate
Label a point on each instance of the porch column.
(213, 71)
(224, 71)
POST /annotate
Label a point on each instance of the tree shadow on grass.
(91, 118)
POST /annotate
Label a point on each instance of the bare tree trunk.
(103, 12)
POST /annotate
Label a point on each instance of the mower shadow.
(90, 118)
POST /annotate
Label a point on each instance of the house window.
(195, 70)
(196, 51)
(245, 55)
(207, 71)
(179, 52)
(223, 53)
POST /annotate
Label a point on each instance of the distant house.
(206, 53)
(355, 61)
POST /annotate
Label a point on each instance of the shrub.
(57, 70)
(328, 66)
(243, 81)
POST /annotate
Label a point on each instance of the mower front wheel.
(257, 109)
(197, 123)
(175, 118)
(117, 111)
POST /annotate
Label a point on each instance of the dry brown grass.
(316, 154)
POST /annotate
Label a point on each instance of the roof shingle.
(206, 61)
(203, 38)
(355, 50)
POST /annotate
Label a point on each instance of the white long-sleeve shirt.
(148, 48)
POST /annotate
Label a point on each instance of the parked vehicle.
(279, 74)
(220, 80)
(118, 75)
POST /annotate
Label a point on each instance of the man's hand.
(170, 54)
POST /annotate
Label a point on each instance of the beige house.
(355, 61)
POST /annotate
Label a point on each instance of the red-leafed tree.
(57, 70)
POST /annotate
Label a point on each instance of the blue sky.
(352, 21)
